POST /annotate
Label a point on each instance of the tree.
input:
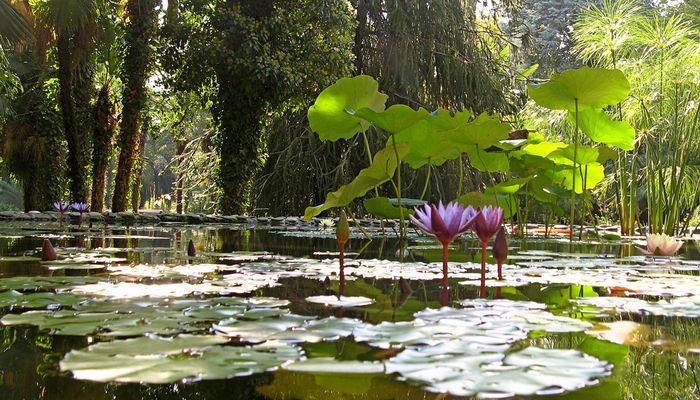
(141, 16)
(73, 23)
(105, 124)
(263, 55)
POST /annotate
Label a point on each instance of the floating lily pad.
(341, 301)
(160, 360)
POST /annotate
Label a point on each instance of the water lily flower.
(342, 235)
(500, 250)
(47, 251)
(326, 223)
(62, 208)
(487, 223)
(661, 245)
(445, 223)
(191, 250)
(80, 208)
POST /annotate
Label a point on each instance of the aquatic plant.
(191, 250)
(62, 208)
(48, 253)
(486, 224)
(342, 234)
(80, 208)
(500, 250)
(445, 223)
(661, 245)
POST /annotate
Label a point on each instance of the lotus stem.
(482, 291)
(445, 257)
(341, 285)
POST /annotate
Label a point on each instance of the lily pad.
(159, 360)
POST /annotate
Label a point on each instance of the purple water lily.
(62, 208)
(80, 208)
(445, 223)
(487, 223)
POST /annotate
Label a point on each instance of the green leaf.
(394, 119)
(600, 128)
(382, 169)
(606, 154)
(565, 155)
(529, 70)
(563, 176)
(484, 131)
(488, 161)
(331, 116)
(508, 203)
(542, 149)
(381, 207)
(590, 87)
(431, 139)
(511, 186)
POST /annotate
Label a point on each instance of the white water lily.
(661, 245)
(326, 223)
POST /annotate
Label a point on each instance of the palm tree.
(141, 15)
(72, 23)
(13, 27)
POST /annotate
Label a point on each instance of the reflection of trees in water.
(665, 370)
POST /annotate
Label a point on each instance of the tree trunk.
(238, 144)
(142, 16)
(76, 173)
(136, 181)
(105, 124)
(180, 176)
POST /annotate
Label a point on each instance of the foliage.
(245, 47)
(658, 51)
(141, 15)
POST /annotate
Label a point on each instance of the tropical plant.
(658, 51)
(583, 93)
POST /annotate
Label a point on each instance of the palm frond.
(13, 27)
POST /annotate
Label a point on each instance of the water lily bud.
(342, 229)
(191, 250)
(500, 246)
(47, 251)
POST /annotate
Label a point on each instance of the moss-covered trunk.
(76, 172)
(105, 124)
(238, 141)
(142, 16)
(138, 170)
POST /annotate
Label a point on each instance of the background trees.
(223, 87)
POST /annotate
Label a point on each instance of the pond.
(126, 313)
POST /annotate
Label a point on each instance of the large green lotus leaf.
(488, 161)
(431, 139)
(394, 119)
(510, 186)
(331, 115)
(485, 131)
(590, 87)
(510, 144)
(563, 176)
(382, 169)
(606, 154)
(381, 207)
(600, 128)
(161, 360)
(542, 149)
(508, 203)
(542, 189)
(565, 156)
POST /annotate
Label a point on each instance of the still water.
(645, 346)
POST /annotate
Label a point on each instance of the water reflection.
(654, 358)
